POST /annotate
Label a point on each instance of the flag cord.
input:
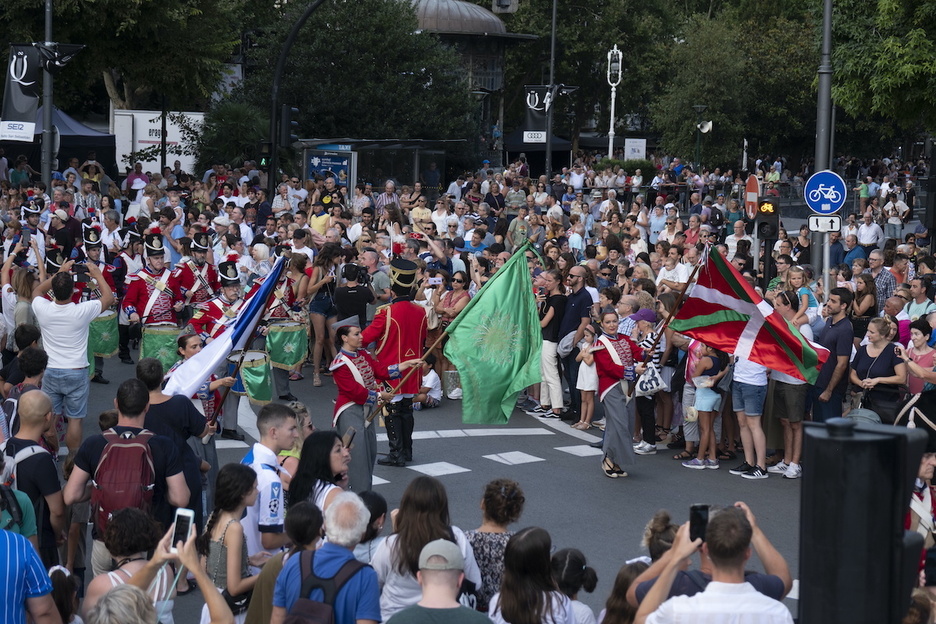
(648, 354)
(370, 418)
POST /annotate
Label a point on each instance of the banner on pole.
(20, 94)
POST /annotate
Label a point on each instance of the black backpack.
(9, 504)
(306, 611)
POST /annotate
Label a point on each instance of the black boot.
(405, 409)
(395, 439)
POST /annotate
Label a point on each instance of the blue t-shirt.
(22, 576)
(359, 599)
(578, 306)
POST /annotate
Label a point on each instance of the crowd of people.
(160, 265)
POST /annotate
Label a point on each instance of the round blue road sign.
(825, 192)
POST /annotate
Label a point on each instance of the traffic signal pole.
(272, 179)
(823, 158)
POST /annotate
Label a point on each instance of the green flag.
(495, 343)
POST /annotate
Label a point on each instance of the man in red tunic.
(399, 329)
(197, 278)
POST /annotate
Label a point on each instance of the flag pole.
(679, 298)
(370, 418)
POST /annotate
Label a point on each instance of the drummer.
(90, 291)
(280, 309)
(209, 322)
(127, 261)
(197, 277)
(154, 297)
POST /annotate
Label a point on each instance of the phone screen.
(183, 525)
(698, 521)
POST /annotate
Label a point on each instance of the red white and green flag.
(722, 310)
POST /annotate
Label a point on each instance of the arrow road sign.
(822, 223)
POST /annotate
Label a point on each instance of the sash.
(199, 280)
(344, 360)
(159, 287)
(227, 314)
(924, 509)
(608, 344)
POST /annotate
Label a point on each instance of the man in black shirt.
(170, 490)
(352, 298)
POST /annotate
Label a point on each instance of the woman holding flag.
(617, 360)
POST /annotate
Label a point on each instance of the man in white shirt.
(264, 528)
(739, 235)
(674, 273)
(65, 338)
(728, 596)
(870, 234)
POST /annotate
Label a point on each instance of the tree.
(883, 55)
(362, 69)
(172, 51)
(750, 73)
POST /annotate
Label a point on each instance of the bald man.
(894, 306)
(36, 473)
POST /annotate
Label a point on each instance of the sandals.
(683, 456)
(316, 380)
(294, 376)
(727, 456)
(581, 425)
(611, 469)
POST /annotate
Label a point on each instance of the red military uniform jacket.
(199, 284)
(399, 329)
(141, 286)
(211, 317)
(89, 292)
(283, 299)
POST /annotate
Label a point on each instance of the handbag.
(239, 603)
(650, 382)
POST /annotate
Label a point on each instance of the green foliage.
(232, 133)
(630, 166)
(141, 49)
(360, 69)
(752, 75)
(883, 55)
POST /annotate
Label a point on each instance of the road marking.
(514, 458)
(580, 450)
(229, 444)
(438, 469)
(247, 419)
(375, 480)
(563, 427)
(473, 433)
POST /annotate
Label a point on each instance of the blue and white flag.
(192, 373)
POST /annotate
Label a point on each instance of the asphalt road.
(566, 491)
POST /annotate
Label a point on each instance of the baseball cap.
(644, 314)
(61, 214)
(443, 549)
(224, 221)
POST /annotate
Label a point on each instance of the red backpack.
(124, 476)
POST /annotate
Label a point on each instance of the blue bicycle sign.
(825, 192)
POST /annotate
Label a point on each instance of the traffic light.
(265, 149)
(288, 125)
(767, 222)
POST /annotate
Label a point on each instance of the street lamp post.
(699, 109)
(614, 79)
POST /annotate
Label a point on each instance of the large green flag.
(495, 343)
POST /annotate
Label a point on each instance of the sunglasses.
(458, 280)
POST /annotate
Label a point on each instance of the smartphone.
(435, 281)
(698, 521)
(25, 237)
(182, 526)
(348, 437)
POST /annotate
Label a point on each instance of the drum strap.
(227, 314)
(159, 287)
(358, 377)
(924, 509)
(199, 280)
(279, 298)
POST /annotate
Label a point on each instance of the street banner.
(20, 94)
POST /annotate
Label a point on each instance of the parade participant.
(399, 329)
(281, 309)
(197, 278)
(358, 375)
(153, 300)
(31, 213)
(615, 356)
(128, 261)
(209, 322)
(103, 333)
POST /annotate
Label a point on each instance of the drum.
(254, 378)
(160, 341)
(103, 339)
(287, 343)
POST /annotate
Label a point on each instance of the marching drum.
(160, 341)
(254, 377)
(287, 343)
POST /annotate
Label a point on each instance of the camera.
(355, 273)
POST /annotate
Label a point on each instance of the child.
(809, 305)
(712, 364)
(572, 575)
(587, 382)
(430, 393)
(65, 589)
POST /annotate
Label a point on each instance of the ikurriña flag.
(495, 344)
(723, 311)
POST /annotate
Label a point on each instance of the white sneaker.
(778, 468)
(600, 424)
(645, 448)
(793, 471)
(455, 394)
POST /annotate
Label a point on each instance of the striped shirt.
(22, 576)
